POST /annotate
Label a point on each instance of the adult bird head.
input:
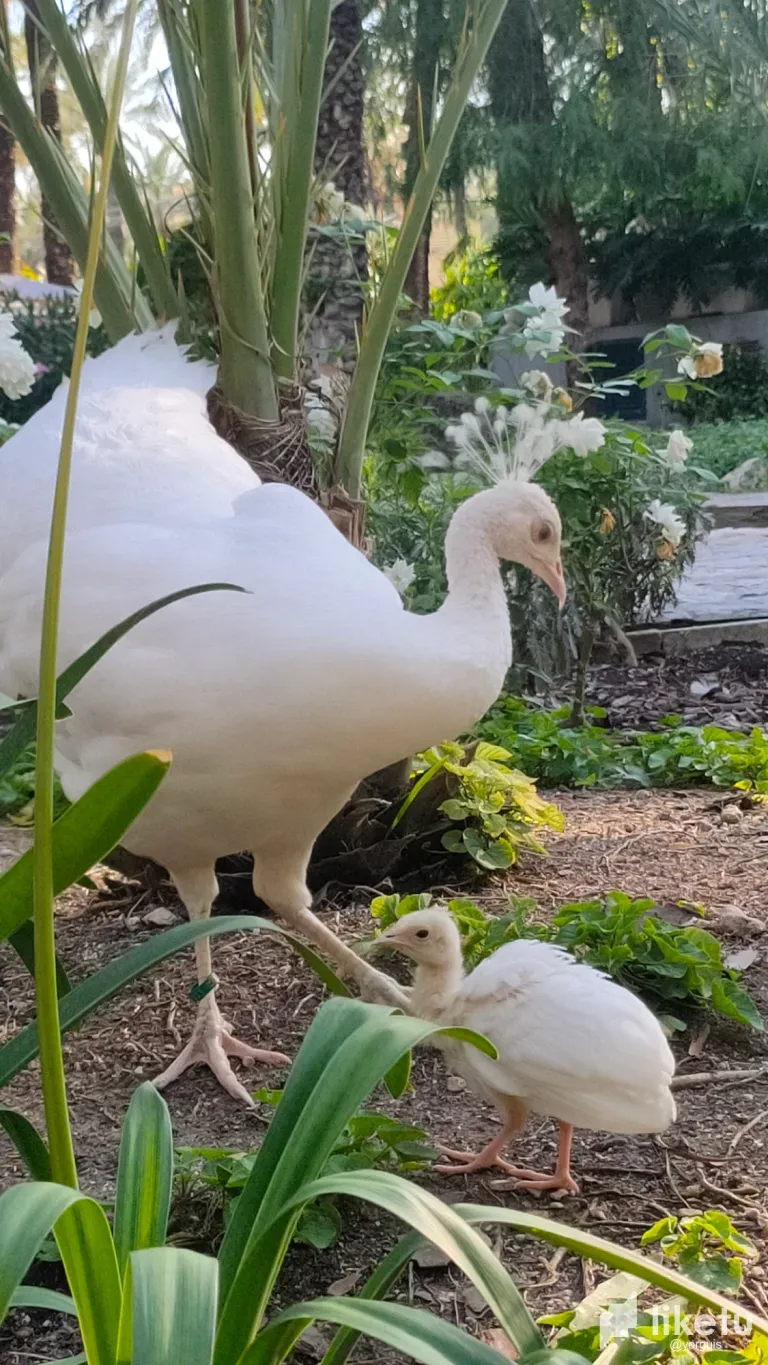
(520, 523)
(526, 529)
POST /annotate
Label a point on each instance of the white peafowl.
(571, 1044)
(275, 703)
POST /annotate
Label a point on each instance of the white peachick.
(571, 1043)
